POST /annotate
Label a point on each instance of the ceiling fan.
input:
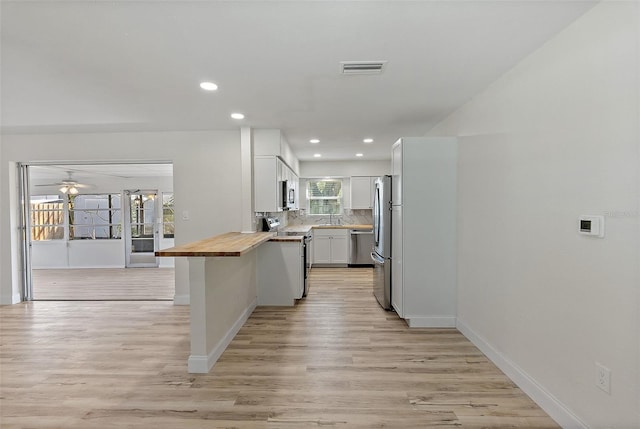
(68, 185)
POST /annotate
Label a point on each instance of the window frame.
(115, 230)
(43, 227)
(339, 198)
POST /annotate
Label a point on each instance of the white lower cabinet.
(330, 246)
(280, 274)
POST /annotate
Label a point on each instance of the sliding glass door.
(141, 228)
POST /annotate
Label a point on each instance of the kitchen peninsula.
(223, 291)
(229, 275)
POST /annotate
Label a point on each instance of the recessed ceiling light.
(237, 116)
(314, 141)
(209, 86)
(359, 154)
(317, 155)
(367, 140)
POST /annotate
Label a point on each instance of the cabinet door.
(265, 171)
(296, 187)
(339, 249)
(280, 170)
(321, 249)
(361, 192)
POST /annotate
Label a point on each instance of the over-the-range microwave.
(288, 195)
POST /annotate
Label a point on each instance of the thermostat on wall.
(591, 225)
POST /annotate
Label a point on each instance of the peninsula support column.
(198, 359)
(223, 294)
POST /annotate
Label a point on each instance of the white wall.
(207, 179)
(554, 138)
(345, 168)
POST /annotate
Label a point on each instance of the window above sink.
(324, 197)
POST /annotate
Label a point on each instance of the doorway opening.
(91, 231)
(141, 231)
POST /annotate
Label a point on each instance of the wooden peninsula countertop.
(229, 244)
(348, 226)
(238, 243)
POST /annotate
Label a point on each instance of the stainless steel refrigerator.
(381, 254)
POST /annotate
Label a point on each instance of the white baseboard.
(431, 322)
(199, 364)
(10, 299)
(181, 300)
(549, 403)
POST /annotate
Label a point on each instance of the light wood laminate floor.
(335, 360)
(104, 284)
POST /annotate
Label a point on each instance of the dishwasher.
(360, 247)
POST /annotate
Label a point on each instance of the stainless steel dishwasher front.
(360, 246)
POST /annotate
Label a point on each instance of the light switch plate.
(591, 225)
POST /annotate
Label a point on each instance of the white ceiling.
(135, 66)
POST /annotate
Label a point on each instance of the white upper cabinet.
(362, 188)
(271, 142)
(267, 177)
(273, 164)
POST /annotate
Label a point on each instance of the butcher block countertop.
(237, 243)
(303, 229)
(229, 244)
(289, 238)
(307, 228)
(352, 226)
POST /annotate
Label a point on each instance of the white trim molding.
(198, 364)
(14, 298)
(431, 322)
(181, 299)
(549, 403)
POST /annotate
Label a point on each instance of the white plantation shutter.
(324, 196)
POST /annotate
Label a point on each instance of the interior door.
(141, 228)
(25, 231)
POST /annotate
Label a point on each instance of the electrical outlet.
(603, 377)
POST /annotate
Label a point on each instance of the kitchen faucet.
(337, 221)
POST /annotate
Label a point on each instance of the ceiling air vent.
(362, 67)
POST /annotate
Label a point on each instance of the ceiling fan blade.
(50, 184)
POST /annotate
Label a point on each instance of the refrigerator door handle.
(376, 258)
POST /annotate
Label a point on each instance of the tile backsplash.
(359, 217)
